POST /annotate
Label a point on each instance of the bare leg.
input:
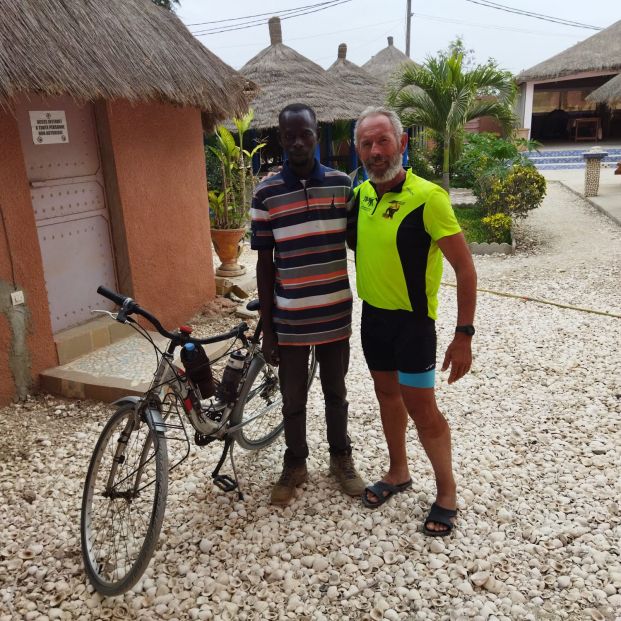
(394, 421)
(435, 436)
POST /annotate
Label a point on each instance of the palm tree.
(446, 97)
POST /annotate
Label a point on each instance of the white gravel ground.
(536, 431)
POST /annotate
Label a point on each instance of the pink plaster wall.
(162, 192)
(23, 249)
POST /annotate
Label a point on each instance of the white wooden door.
(66, 185)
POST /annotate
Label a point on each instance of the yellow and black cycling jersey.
(398, 261)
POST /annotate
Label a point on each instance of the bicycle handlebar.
(128, 307)
(111, 295)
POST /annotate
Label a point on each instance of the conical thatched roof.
(112, 49)
(383, 65)
(601, 52)
(285, 76)
(367, 90)
(607, 93)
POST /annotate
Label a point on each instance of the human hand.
(458, 356)
(269, 347)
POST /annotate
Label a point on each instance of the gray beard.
(391, 172)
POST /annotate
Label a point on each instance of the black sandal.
(440, 515)
(383, 491)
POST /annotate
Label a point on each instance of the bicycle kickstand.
(224, 481)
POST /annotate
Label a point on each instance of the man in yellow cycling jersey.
(400, 226)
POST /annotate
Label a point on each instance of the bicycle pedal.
(225, 482)
(202, 440)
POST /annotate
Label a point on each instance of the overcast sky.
(516, 42)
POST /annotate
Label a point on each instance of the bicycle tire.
(312, 366)
(262, 432)
(114, 555)
(260, 392)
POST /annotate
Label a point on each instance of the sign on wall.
(49, 126)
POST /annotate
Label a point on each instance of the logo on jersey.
(367, 203)
(392, 209)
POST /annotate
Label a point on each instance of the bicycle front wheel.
(123, 502)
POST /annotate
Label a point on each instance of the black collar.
(396, 189)
(292, 180)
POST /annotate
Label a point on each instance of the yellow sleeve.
(439, 217)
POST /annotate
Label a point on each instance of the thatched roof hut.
(607, 93)
(367, 90)
(383, 65)
(600, 52)
(285, 76)
(117, 49)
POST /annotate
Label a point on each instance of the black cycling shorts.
(398, 340)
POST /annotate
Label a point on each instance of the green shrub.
(213, 169)
(498, 226)
(419, 163)
(484, 158)
(516, 193)
(477, 228)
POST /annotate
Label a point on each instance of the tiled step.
(81, 340)
(614, 150)
(565, 159)
(559, 166)
(124, 367)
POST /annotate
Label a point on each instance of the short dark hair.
(297, 107)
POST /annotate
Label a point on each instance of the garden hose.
(525, 298)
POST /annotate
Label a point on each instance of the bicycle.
(126, 485)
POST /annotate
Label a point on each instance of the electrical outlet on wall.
(17, 297)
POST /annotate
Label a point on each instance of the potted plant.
(229, 207)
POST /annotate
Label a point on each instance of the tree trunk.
(446, 161)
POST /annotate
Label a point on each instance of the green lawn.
(469, 219)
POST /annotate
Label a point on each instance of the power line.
(547, 18)
(325, 34)
(356, 46)
(275, 12)
(261, 22)
(448, 20)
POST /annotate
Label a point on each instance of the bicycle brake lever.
(104, 312)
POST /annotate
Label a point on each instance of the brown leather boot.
(342, 467)
(290, 478)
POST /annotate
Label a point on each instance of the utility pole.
(408, 28)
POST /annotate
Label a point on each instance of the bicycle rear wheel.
(312, 366)
(123, 502)
(259, 404)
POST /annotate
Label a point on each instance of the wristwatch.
(469, 329)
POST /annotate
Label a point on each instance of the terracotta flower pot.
(227, 247)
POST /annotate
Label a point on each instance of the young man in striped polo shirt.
(299, 221)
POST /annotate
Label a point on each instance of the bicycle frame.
(168, 376)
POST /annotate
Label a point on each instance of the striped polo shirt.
(304, 221)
